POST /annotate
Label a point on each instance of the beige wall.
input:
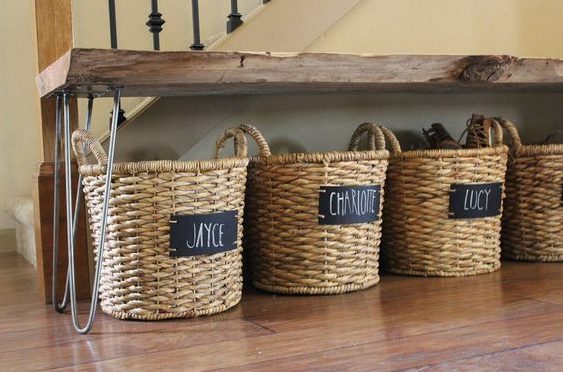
(188, 127)
(288, 25)
(518, 27)
(527, 28)
(19, 110)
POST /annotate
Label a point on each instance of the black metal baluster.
(120, 116)
(155, 23)
(234, 18)
(112, 24)
(113, 43)
(197, 45)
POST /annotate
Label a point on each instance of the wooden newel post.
(53, 20)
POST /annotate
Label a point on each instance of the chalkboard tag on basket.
(203, 234)
(475, 200)
(343, 205)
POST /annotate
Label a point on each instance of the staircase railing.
(155, 23)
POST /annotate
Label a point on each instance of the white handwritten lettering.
(476, 199)
(210, 233)
(353, 202)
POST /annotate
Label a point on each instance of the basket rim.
(319, 157)
(450, 153)
(538, 150)
(158, 166)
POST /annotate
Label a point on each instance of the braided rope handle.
(264, 149)
(239, 139)
(81, 140)
(512, 132)
(391, 140)
(376, 139)
(498, 139)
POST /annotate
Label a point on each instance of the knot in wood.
(484, 68)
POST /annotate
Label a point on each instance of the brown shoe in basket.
(555, 138)
(479, 132)
(439, 138)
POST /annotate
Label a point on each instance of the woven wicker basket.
(532, 228)
(419, 237)
(140, 280)
(291, 251)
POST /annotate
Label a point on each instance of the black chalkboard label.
(203, 234)
(343, 205)
(475, 200)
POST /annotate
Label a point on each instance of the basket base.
(128, 315)
(534, 258)
(441, 273)
(317, 290)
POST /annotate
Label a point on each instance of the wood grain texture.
(540, 357)
(506, 320)
(53, 23)
(145, 73)
(43, 204)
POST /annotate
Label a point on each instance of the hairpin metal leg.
(56, 212)
(79, 183)
(103, 222)
(60, 307)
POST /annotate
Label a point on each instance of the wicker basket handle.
(498, 132)
(376, 139)
(512, 132)
(391, 140)
(82, 139)
(241, 149)
(258, 138)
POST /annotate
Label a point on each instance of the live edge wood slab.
(146, 73)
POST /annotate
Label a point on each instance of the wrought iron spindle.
(197, 45)
(155, 23)
(113, 44)
(234, 18)
(112, 24)
(120, 115)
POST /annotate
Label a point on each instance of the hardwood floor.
(511, 319)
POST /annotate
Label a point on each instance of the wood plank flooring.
(508, 320)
